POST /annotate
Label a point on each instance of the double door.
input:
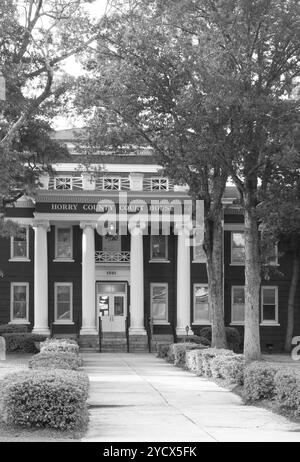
(112, 305)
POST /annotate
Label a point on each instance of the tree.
(146, 85)
(279, 214)
(36, 37)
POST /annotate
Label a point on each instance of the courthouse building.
(62, 276)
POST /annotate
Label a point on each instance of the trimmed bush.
(59, 345)
(196, 339)
(191, 360)
(55, 360)
(40, 398)
(228, 367)
(287, 390)
(12, 328)
(207, 356)
(259, 381)
(162, 350)
(22, 342)
(180, 352)
(233, 337)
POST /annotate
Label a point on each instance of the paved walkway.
(138, 397)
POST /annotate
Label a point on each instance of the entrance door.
(111, 305)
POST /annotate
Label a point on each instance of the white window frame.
(236, 323)
(63, 321)
(275, 262)
(12, 238)
(269, 323)
(160, 181)
(235, 263)
(166, 286)
(65, 177)
(24, 320)
(159, 260)
(64, 259)
(201, 322)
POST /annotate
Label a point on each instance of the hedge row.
(52, 394)
(22, 342)
(44, 398)
(204, 361)
(273, 382)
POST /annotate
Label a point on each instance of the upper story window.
(63, 243)
(159, 184)
(237, 248)
(19, 245)
(111, 183)
(63, 182)
(201, 308)
(159, 248)
(269, 305)
(19, 302)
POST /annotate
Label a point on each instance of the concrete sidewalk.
(138, 397)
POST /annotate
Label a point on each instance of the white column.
(136, 280)
(183, 282)
(88, 326)
(41, 324)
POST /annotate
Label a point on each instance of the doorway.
(111, 300)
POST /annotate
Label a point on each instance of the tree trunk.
(291, 303)
(252, 285)
(215, 282)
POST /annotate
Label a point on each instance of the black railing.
(174, 332)
(100, 334)
(150, 333)
(127, 325)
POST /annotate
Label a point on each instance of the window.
(159, 303)
(19, 302)
(111, 183)
(64, 245)
(269, 305)
(199, 255)
(63, 182)
(19, 245)
(237, 248)
(159, 184)
(237, 305)
(201, 307)
(159, 248)
(272, 258)
(63, 296)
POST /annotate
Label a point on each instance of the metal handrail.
(100, 334)
(127, 325)
(150, 333)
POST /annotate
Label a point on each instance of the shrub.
(233, 337)
(197, 339)
(59, 345)
(180, 352)
(259, 381)
(55, 360)
(12, 328)
(207, 357)
(22, 342)
(228, 367)
(162, 350)
(191, 360)
(287, 390)
(41, 398)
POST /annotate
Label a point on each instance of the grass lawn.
(13, 363)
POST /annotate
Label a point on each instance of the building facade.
(61, 275)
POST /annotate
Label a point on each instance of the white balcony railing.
(102, 256)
